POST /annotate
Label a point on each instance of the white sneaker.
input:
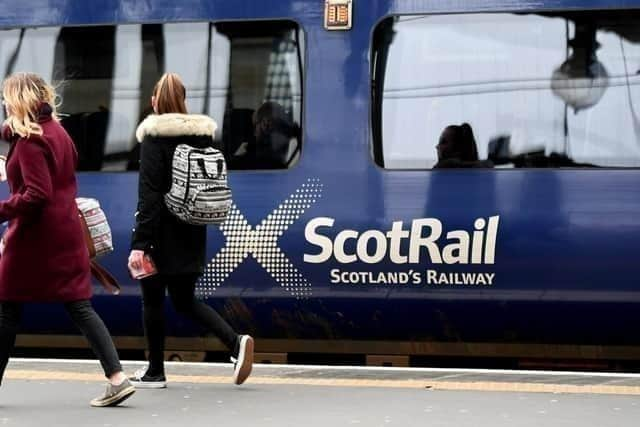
(244, 363)
(114, 394)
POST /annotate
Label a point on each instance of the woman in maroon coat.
(45, 257)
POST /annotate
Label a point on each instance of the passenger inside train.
(273, 129)
(267, 138)
(457, 149)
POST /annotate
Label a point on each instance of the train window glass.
(263, 102)
(558, 89)
(247, 76)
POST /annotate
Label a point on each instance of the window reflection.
(539, 90)
(105, 75)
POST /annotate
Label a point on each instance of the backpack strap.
(87, 235)
(219, 166)
(105, 278)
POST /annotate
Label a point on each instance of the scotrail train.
(433, 179)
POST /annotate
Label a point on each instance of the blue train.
(350, 232)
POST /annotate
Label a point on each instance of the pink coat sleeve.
(37, 186)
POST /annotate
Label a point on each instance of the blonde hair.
(23, 95)
(170, 93)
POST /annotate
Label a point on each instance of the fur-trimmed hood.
(174, 124)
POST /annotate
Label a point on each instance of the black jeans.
(182, 293)
(85, 318)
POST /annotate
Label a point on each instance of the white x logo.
(261, 242)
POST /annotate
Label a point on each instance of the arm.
(36, 174)
(150, 195)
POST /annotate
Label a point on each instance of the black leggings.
(85, 318)
(182, 294)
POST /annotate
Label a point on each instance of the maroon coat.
(45, 256)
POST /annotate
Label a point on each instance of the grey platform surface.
(38, 400)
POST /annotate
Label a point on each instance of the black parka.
(176, 247)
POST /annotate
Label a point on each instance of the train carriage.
(351, 233)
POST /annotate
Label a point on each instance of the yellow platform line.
(496, 386)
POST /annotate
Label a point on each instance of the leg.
(10, 315)
(87, 320)
(182, 293)
(93, 328)
(153, 292)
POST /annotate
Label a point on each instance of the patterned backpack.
(199, 194)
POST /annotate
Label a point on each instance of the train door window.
(263, 99)
(557, 89)
(247, 76)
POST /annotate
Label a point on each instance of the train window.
(247, 76)
(558, 89)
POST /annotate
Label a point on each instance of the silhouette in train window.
(457, 149)
(274, 130)
(543, 90)
(267, 138)
(105, 75)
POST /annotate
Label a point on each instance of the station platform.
(39, 392)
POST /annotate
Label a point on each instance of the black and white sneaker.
(244, 362)
(140, 379)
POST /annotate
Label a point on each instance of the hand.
(136, 258)
(3, 168)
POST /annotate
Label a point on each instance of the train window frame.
(376, 137)
(299, 36)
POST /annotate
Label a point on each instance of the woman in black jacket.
(177, 248)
